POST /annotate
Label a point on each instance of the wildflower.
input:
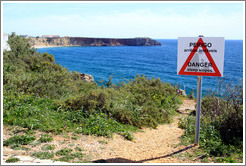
(65, 126)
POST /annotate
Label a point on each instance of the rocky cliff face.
(82, 41)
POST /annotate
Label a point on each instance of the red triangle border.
(199, 43)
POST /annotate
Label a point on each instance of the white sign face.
(201, 56)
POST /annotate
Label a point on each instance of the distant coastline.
(45, 46)
(42, 42)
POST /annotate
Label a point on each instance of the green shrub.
(77, 155)
(19, 139)
(127, 136)
(40, 94)
(78, 148)
(64, 152)
(225, 111)
(101, 125)
(45, 138)
(12, 160)
(48, 147)
(65, 158)
(221, 130)
(43, 155)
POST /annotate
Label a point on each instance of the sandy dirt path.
(150, 146)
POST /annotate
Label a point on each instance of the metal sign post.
(200, 56)
(198, 108)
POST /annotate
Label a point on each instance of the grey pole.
(198, 106)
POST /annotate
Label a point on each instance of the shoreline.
(46, 46)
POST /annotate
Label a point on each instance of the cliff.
(83, 41)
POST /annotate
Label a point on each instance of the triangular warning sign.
(200, 72)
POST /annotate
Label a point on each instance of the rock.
(86, 77)
(181, 92)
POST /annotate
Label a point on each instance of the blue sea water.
(125, 62)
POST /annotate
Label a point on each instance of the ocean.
(125, 62)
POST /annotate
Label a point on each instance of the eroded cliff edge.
(83, 41)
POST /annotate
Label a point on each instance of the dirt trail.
(150, 146)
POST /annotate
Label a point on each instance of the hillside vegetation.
(40, 94)
(221, 132)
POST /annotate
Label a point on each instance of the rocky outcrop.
(82, 41)
(181, 92)
(83, 76)
(86, 77)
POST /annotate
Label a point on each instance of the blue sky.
(155, 20)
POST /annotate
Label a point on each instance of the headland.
(39, 42)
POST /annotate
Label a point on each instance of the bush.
(40, 94)
(36, 72)
(226, 111)
(221, 130)
(140, 102)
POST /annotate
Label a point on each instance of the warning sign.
(201, 56)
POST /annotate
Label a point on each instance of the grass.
(127, 136)
(19, 140)
(12, 160)
(19, 147)
(103, 142)
(64, 152)
(77, 155)
(48, 147)
(68, 156)
(65, 158)
(78, 149)
(45, 138)
(43, 155)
